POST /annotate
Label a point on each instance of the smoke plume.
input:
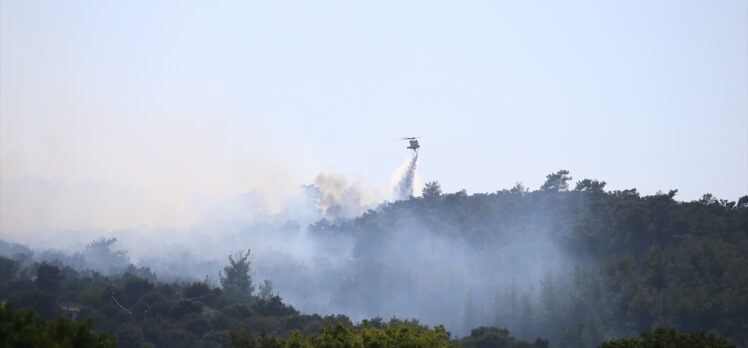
(335, 198)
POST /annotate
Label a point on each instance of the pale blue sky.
(163, 102)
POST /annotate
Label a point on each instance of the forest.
(567, 265)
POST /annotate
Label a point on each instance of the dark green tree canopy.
(24, 328)
(647, 261)
(743, 202)
(558, 181)
(235, 279)
(432, 189)
(588, 185)
(662, 338)
(48, 278)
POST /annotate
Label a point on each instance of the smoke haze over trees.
(575, 267)
(483, 174)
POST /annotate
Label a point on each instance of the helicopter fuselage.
(413, 145)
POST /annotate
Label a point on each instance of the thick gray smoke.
(405, 187)
(335, 198)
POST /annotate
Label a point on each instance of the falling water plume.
(404, 189)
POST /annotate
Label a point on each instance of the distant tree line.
(650, 262)
(63, 307)
(645, 262)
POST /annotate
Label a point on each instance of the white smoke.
(404, 179)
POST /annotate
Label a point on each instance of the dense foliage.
(395, 334)
(24, 328)
(139, 312)
(662, 338)
(344, 335)
(638, 262)
(631, 264)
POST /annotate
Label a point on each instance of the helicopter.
(413, 143)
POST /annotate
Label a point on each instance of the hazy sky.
(114, 114)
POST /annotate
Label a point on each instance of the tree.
(708, 199)
(743, 202)
(237, 281)
(557, 181)
(493, 337)
(135, 288)
(670, 338)
(48, 278)
(24, 328)
(588, 185)
(339, 336)
(519, 189)
(266, 290)
(432, 189)
(8, 270)
(100, 256)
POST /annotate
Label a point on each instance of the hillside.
(572, 266)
